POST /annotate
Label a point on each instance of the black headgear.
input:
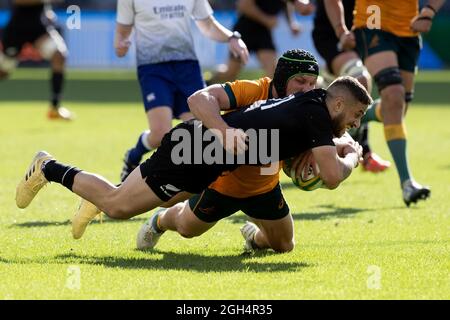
(292, 63)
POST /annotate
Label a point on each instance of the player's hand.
(239, 50)
(122, 47)
(342, 142)
(354, 148)
(347, 41)
(295, 28)
(421, 23)
(305, 8)
(234, 140)
(303, 160)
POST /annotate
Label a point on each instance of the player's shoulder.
(312, 96)
(261, 82)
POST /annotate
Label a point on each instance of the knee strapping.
(388, 77)
(354, 68)
(54, 43)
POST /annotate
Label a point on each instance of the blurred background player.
(168, 69)
(33, 21)
(256, 20)
(390, 50)
(344, 61)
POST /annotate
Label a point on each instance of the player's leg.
(275, 234)
(348, 63)
(268, 60)
(408, 82)
(274, 225)
(408, 58)
(12, 43)
(52, 47)
(384, 66)
(226, 72)
(184, 89)
(131, 198)
(7, 65)
(157, 94)
(190, 219)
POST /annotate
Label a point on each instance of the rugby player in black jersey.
(300, 122)
(33, 22)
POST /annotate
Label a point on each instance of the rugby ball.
(307, 180)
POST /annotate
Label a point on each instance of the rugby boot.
(86, 213)
(33, 181)
(60, 113)
(374, 163)
(413, 192)
(148, 236)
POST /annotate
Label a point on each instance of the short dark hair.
(353, 87)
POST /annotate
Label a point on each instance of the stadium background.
(97, 30)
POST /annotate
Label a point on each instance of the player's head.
(296, 71)
(347, 101)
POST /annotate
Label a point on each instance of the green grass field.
(356, 242)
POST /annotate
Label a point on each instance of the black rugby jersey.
(321, 21)
(28, 9)
(302, 119)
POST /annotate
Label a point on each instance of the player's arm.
(124, 26)
(335, 13)
(252, 11)
(122, 39)
(334, 169)
(212, 29)
(304, 7)
(423, 21)
(289, 11)
(206, 105)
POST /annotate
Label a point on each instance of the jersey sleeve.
(245, 92)
(125, 12)
(319, 129)
(201, 10)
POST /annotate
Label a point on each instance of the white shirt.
(162, 27)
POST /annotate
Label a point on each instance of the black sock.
(60, 173)
(363, 138)
(57, 85)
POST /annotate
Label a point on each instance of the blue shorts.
(170, 84)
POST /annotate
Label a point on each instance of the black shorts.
(166, 178)
(211, 206)
(256, 36)
(371, 41)
(25, 26)
(326, 44)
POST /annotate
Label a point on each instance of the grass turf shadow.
(43, 224)
(173, 261)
